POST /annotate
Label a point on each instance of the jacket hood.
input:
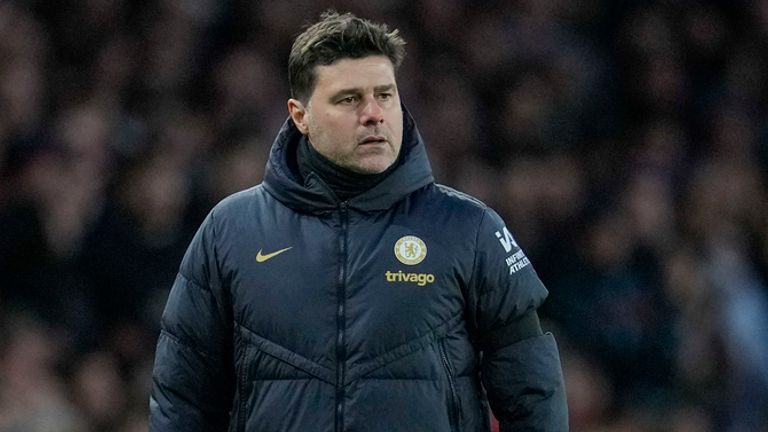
(282, 181)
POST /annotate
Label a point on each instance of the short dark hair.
(334, 37)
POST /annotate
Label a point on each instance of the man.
(348, 291)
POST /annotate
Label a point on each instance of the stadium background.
(625, 143)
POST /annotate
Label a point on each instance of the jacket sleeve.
(192, 378)
(520, 368)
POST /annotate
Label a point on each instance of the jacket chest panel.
(397, 280)
(403, 282)
(283, 284)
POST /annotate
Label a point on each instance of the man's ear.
(298, 113)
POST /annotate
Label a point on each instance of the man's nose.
(371, 113)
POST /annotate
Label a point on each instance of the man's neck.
(344, 182)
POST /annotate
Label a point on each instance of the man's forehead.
(368, 71)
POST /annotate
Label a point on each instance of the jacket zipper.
(455, 412)
(341, 351)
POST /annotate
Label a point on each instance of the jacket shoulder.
(240, 200)
(436, 200)
(459, 199)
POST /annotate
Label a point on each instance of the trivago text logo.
(420, 279)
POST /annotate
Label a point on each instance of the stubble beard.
(353, 161)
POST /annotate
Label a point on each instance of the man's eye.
(385, 96)
(348, 100)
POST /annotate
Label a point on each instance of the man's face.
(353, 116)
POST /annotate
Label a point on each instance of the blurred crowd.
(624, 142)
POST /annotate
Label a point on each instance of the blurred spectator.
(97, 388)
(589, 392)
(131, 255)
(33, 396)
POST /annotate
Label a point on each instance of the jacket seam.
(178, 341)
(477, 240)
(195, 283)
(213, 241)
(407, 349)
(216, 300)
(206, 287)
(395, 379)
(212, 247)
(273, 349)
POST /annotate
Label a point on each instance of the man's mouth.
(373, 139)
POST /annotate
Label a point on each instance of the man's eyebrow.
(383, 88)
(345, 92)
(358, 91)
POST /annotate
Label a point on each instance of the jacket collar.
(282, 181)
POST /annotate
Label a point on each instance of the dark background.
(624, 142)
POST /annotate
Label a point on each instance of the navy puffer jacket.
(292, 311)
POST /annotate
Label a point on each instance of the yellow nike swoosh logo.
(261, 258)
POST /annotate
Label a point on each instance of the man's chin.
(372, 165)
